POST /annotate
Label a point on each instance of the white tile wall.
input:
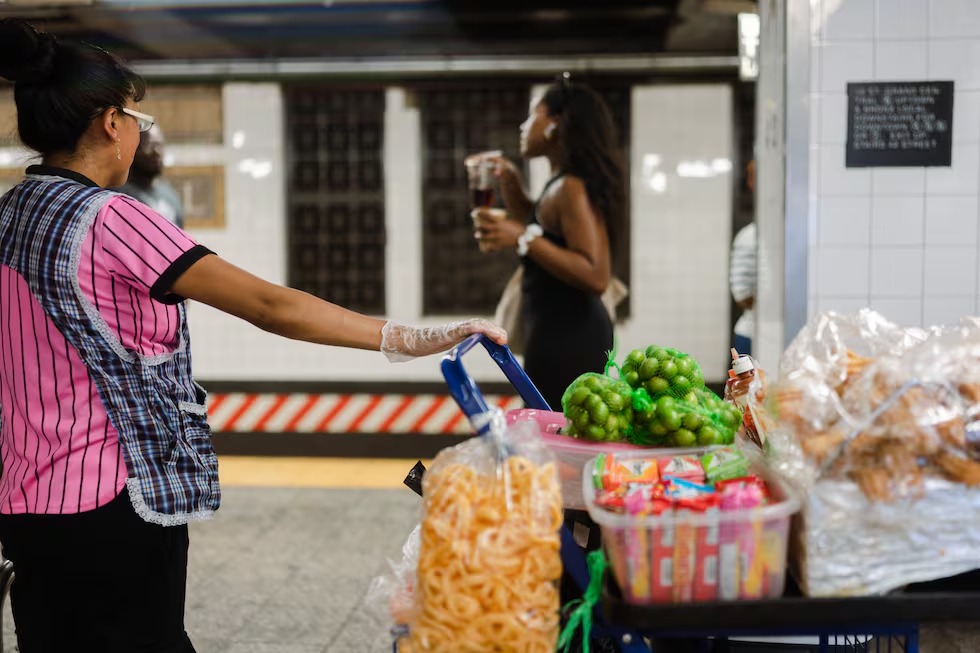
(902, 19)
(951, 220)
(950, 271)
(843, 272)
(901, 311)
(905, 241)
(690, 215)
(947, 310)
(954, 18)
(966, 116)
(831, 115)
(845, 62)
(957, 59)
(962, 177)
(896, 272)
(835, 179)
(849, 19)
(845, 221)
(900, 60)
(897, 220)
(899, 181)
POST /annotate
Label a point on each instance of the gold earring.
(118, 153)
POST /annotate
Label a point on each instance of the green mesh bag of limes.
(659, 400)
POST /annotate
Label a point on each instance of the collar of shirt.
(53, 171)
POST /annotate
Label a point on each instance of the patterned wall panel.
(458, 120)
(336, 194)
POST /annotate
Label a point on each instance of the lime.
(709, 435)
(577, 397)
(649, 368)
(635, 357)
(692, 421)
(657, 386)
(685, 438)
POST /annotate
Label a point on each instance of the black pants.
(103, 580)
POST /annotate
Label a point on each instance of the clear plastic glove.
(400, 342)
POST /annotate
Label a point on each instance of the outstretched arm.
(298, 315)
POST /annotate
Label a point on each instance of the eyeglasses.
(143, 121)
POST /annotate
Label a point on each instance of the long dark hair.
(60, 87)
(590, 149)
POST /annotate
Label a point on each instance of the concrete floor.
(286, 571)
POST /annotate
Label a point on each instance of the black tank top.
(543, 291)
(567, 330)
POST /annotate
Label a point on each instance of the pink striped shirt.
(60, 451)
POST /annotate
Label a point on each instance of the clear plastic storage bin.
(571, 454)
(687, 557)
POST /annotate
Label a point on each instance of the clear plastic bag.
(390, 599)
(879, 426)
(489, 556)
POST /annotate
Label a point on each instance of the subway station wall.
(681, 149)
(681, 231)
(904, 241)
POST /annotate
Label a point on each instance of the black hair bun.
(26, 55)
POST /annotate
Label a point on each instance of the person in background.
(566, 237)
(145, 183)
(565, 240)
(743, 275)
(104, 440)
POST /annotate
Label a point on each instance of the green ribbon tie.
(582, 609)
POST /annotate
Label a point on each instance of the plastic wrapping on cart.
(876, 424)
(489, 559)
(390, 597)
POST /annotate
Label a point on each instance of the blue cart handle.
(463, 389)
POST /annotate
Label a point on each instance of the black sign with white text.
(899, 124)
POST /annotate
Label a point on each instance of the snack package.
(611, 471)
(688, 468)
(706, 564)
(489, 555)
(876, 425)
(724, 463)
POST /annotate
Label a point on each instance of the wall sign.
(899, 124)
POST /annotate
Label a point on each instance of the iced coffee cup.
(483, 217)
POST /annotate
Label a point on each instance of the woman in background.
(105, 447)
(566, 237)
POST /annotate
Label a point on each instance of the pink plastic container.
(571, 454)
(682, 557)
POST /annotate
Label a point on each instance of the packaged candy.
(742, 482)
(688, 554)
(610, 472)
(725, 463)
(662, 555)
(611, 501)
(740, 553)
(678, 488)
(688, 468)
(706, 564)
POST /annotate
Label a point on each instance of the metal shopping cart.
(876, 624)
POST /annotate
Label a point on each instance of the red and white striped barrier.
(341, 413)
